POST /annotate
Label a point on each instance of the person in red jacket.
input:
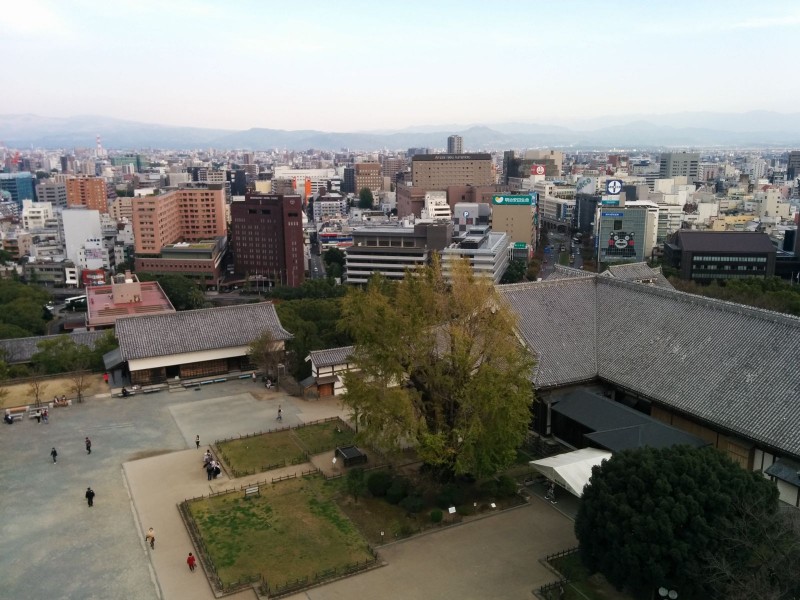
(191, 561)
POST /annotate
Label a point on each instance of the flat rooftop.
(101, 311)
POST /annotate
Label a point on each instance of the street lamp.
(665, 593)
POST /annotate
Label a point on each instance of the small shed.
(351, 455)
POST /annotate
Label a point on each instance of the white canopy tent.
(571, 470)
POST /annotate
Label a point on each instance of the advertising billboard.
(513, 199)
(538, 169)
(621, 235)
(586, 185)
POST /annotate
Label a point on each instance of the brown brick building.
(267, 237)
(368, 175)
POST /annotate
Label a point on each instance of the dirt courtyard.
(20, 394)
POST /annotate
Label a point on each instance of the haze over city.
(374, 66)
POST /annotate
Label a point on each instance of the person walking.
(191, 561)
(89, 496)
(105, 378)
(210, 469)
(45, 416)
(88, 446)
(151, 537)
(54, 454)
(197, 441)
(280, 413)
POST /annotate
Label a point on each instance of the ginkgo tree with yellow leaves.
(438, 366)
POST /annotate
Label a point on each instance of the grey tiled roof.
(557, 321)
(331, 357)
(564, 272)
(638, 272)
(147, 336)
(731, 365)
(722, 362)
(20, 350)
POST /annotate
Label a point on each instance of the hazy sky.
(369, 65)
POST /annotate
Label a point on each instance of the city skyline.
(365, 67)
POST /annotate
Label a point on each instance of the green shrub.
(506, 486)
(451, 495)
(397, 491)
(404, 530)
(378, 483)
(488, 488)
(466, 510)
(412, 503)
(436, 516)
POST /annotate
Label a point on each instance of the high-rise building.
(437, 171)
(455, 144)
(793, 167)
(18, 185)
(188, 214)
(368, 175)
(679, 164)
(89, 192)
(515, 214)
(54, 192)
(267, 233)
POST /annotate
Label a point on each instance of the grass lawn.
(293, 530)
(322, 437)
(254, 454)
(583, 584)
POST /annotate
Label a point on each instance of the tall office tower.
(679, 164)
(19, 185)
(267, 232)
(368, 175)
(455, 144)
(54, 192)
(188, 214)
(89, 192)
(793, 167)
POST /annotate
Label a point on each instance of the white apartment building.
(329, 206)
(436, 207)
(487, 252)
(79, 225)
(36, 215)
(769, 202)
(93, 254)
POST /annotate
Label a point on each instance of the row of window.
(748, 259)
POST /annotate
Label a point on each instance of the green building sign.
(520, 245)
(513, 199)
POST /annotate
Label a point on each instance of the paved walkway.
(144, 462)
(494, 557)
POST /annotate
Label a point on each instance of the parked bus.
(75, 303)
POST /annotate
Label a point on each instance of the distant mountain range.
(690, 129)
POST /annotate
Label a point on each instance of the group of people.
(60, 401)
(211, 466)
(42, 415)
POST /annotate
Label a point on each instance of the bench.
(252, 491)
(16, 415)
